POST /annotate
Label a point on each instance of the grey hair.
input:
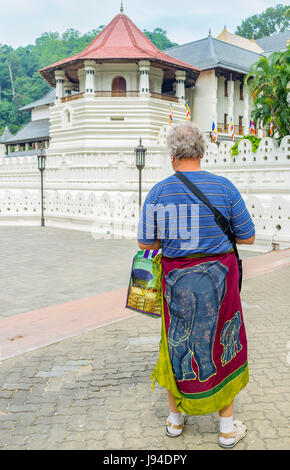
(186, 141)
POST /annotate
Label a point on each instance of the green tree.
(267, 81)
(271, 21)
(159, 38)
(87, 38)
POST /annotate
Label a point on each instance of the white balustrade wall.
(98, 192)
(263, 179)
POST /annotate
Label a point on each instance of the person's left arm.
(154, 246)
(147, 228)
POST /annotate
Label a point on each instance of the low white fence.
(98, 192)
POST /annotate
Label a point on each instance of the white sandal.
(233, 437)
(174, 430)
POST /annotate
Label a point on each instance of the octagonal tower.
(117, 89)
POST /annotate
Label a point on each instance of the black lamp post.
(41, 159)
(140, 153)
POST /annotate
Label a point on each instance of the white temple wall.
(102, 122)
(204, 92)
(82, 80)
(106, 73)
(41, 112)
(156, 80)
(2, 150)
(223, 101)
(239, 104)
(98, 191)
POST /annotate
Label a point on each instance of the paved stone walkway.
(47, 266)
(93, 391)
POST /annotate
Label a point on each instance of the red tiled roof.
(121, 39)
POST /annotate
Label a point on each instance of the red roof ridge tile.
(129, 30)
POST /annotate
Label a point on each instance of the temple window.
(241, 91)
(226, 89)
(67, 116)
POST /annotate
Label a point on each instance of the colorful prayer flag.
(214, 132)
(188, 114)
(252, 127)
(170, 115)
(232, 129)
(271, 128)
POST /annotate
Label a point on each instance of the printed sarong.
(203, 348)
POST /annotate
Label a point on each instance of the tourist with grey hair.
(203, 349)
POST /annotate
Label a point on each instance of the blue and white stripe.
(208, 237)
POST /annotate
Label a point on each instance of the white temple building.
(121, 88)
(118, 89)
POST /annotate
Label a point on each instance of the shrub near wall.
(255, 144)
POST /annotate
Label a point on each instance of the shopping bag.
(145, 288)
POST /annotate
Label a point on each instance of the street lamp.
(41, 159)
(140, 153)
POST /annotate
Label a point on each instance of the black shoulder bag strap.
(220, 219)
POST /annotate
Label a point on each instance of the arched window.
(119, 86)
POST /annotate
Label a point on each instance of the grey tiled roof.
(276, 42)
(6, 135)
(34, 130)
(45, 100)
(211, 53)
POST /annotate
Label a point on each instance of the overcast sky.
(22, 21)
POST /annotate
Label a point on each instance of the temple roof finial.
(122, 8)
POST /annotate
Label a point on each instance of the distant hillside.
(20, 83)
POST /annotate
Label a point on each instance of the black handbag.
(219, 218)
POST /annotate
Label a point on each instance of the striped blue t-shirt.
(185, 226)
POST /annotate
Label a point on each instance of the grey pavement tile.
(93, 391)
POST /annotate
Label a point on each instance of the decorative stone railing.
(75, 96)
(98, 192)
(119, 94)
(103, 214)
(268, 153)
(263, 178)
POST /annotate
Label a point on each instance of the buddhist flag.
(271, 128)
(214, 132)
(170, 115)
(252, 127)
(188, 114)
(232, 129)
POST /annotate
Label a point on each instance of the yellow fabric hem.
(164, 375)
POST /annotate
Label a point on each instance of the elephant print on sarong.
(230, 338)
(194, 296)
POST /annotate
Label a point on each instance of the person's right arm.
(147, 230)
